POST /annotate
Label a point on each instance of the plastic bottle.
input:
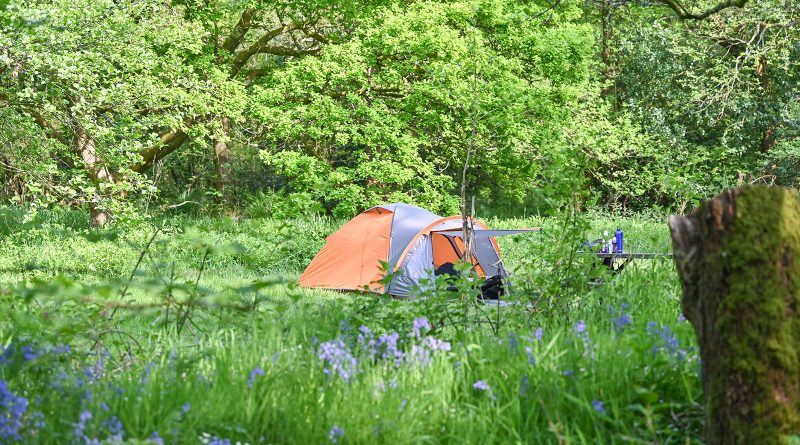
(606, 242)
(618, 236)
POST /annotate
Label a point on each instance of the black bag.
(451, 272)
(493, 288)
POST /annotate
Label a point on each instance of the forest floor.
(188, 330)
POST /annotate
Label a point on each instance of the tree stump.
(738, 258)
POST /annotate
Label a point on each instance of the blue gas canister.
(618, 236)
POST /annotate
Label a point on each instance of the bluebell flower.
(79, 430)
(146, 373)
(524, 386)
(598, 406)
(29, 353)
(338, 359)
(366, 342)
(218, 441)
(115, 429)
(420, 323)
(389, 348)
(335, 434)
(481, 385)
(7, 355)
(155, 438)
(513, 343)
(580, 327)
(667, 342)
(38, 420)
(531, 358)
(253, 375)
(620, 318)
(538, 333)
(185, 408)
(681, 318)
(12, 411)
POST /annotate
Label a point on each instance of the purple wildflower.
(156, 439)
(387, 344)
(538, 333)
(580, 327)
(38, 420)
(253, 375)
(185, 408)
(335, 434)
(531, 358)
(598, 406)
(420, 323)
(115, 429)
(146, 373)
(29, 353)
(80, 427)
(667, 342)
(681, 318)
(524, 386)
(513, 343)
(338, 359)
(218, 441)
(8, 355)
(620, 318)
(481, 385)
(366, 341)
(12, 410)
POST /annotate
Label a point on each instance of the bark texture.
(222, 169)
(738, 258)
(98, 216)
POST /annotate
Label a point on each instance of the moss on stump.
(738, 258)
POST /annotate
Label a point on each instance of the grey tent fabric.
(416, 269)
(408, 220)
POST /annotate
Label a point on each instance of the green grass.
(143, 372)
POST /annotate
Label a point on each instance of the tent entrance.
(450, 249)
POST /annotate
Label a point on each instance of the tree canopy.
(331, 106)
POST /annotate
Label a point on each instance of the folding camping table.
(609, 259)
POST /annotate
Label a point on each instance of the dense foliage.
(281, 108)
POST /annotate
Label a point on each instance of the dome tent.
(412, 241)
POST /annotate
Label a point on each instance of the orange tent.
(410, 241)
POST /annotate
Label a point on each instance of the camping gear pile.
(414, 244)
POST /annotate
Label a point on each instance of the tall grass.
(619, 366)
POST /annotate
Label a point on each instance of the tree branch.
(233, 40)
(684, 13)
(241, 58)
(170, 142)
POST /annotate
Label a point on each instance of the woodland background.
(282, 108)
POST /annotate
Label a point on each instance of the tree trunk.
(606, 29)
(222, 156)
(738, 258)
(87, 147)
(768, 134)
